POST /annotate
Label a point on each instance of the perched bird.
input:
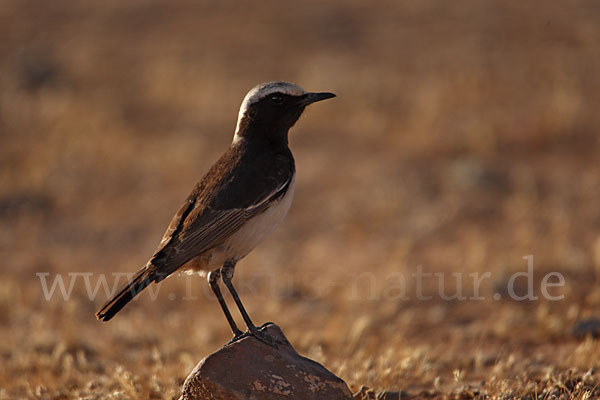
(236, 205)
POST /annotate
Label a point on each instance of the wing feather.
(201, 229)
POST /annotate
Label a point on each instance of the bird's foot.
(238, 336)
(260, 335)
(269, 340)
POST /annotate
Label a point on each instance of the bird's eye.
(277, 98)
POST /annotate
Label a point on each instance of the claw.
(237, 337)
(260, 335)
(264, 337)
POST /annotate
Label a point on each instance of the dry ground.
(464, 137)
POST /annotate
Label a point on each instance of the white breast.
(258, 228)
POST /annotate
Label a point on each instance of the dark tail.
(143, 278)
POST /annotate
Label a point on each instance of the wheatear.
(237, 204)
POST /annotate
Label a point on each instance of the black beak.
(310, 98)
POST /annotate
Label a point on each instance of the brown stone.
(250, 369)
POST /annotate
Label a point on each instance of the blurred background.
(463, 138)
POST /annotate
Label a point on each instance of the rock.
(250, 369)
(586, 327)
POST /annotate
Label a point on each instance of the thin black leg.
(227, 275)
(213, 281)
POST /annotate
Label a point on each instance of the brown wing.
(196, 230)
(176, 222)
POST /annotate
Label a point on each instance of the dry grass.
(467, 133)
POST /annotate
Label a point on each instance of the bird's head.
(270, 109)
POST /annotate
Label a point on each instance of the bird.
(240, 200)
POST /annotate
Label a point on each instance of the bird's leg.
(213, 281)
(227, 275)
